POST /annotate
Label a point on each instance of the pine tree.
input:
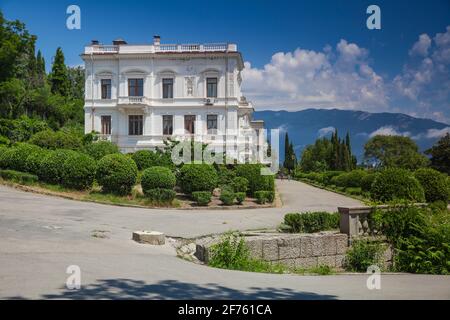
(58, 77)
(40, 68)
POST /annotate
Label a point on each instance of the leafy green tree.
(394, 151)
(76, 81)
(440, 154)
(290, 159)
(59, 76)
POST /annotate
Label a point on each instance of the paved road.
(40, 236)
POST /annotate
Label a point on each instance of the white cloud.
(324, 131)
(421, 47)
(306, 78)
(437, 133)
(388, 131)
(342, 77)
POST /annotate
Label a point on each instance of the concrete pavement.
(40, 236)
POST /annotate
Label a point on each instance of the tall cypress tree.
(58, 78)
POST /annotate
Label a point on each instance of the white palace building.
(139, 95)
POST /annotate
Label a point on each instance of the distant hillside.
(305, 126)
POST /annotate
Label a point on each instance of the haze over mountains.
(305, 126)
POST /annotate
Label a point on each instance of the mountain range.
(305, 126)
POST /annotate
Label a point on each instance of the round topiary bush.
(145, 159)
(157, 177)
(51, 167)
(367, 180)
(161, 195)
(433, 183)
(99, 149)
(197, 177)
(116, 173)
(78, 171)
(34, 161)
(15, 158)
(256, 180)
(350, 179)
(227, 197)
(202, 198)
(396, 184)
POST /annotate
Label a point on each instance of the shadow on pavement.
(171, 289)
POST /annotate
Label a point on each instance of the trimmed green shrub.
(78, 171)
(264, 196)
(202, 198)
(146, 158)
(157, 177)
(367, 181)
(433, 183)
(161, 195)
(227, 197)
(353, 191)
(17, 176)
(34, 161)
(328, 175)
(394, 183)
(15, 158)
(51, 168)
(310, 222)
(363, 254)
(56, 140)
(225, 174)
(239, 184)
(116, 173)
(350, 179)
(256, 181)
(240, 197)
(197, 177)
(99, 149)
(261, 197)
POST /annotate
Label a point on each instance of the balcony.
(133, 100)
(160, 48)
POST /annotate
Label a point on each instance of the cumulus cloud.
(343, 77)
(324, 131)
(340, 77)
(388, 131)
(421, 46)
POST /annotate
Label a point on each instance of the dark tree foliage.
(440, 154)
(328, 154)
(26, 92)
(290, 159)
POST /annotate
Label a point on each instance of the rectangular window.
(167, 125)
(106, 124)
(135, 87)
(168, 88)
(211, 87)
(106, 88)
(211, 122)
(189, 124)
(135, 125)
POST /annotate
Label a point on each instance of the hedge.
(14, 158)
(99, 149)
(311, 221)
(434, 184)
(116, 173)
(34, 161)
(227, 197)
(396, 184)
(78, 171)
(161, 195)
(240, 197)
(202, 198)
(56, 140)
(17, 176)
(264, 196)
(157, 177)
(257, 181)
(51, 168)
(197, 177)
(350, 179)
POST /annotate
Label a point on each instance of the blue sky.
(320, 51)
